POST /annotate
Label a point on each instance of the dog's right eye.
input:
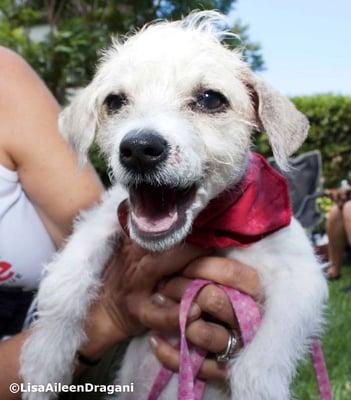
(114, 102)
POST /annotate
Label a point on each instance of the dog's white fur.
(160, 68)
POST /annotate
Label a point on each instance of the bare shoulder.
(10, 58)
(26, 105)
(15, 72)
(21, 90)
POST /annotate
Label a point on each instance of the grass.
(336, 346)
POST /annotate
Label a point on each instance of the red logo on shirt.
(5, 271)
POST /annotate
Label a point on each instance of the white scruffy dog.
(171, 107)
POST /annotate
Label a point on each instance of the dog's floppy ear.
(286, 127)
(78, 123)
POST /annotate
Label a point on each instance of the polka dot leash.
(321, 370)
(246, 311)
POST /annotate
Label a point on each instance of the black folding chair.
(305, 186)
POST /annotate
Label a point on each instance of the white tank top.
(25, 245)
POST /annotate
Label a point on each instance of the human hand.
(340, 196)
(126, 305)
(209, 335)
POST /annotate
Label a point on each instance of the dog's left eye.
(210, 101)
(114, 102)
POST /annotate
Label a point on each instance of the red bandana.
(256, 207)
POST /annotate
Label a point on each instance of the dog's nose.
(142, 150)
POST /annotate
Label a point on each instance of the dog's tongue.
(154, 209)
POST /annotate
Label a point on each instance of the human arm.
(101, 336)
(31, 144)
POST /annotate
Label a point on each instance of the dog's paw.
(48, 356)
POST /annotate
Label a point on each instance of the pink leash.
(249, 318)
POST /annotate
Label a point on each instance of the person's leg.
(337, 241)
(346, 212)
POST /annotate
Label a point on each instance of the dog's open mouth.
(158, 210)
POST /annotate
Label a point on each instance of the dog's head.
(173, 111)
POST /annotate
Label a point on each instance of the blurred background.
(302, 47)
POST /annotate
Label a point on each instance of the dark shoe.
(329, 274)
(331, 278)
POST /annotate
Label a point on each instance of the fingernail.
(159, 299)
(153, 342)
(194, 310)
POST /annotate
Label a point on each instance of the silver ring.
(230, 350)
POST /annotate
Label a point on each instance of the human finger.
(169, 357)
(161, 314)
(211, 299)
(171, 261)
(208, 336)
(225, 271)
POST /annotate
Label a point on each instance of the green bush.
(99, 163)
(330, 132)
